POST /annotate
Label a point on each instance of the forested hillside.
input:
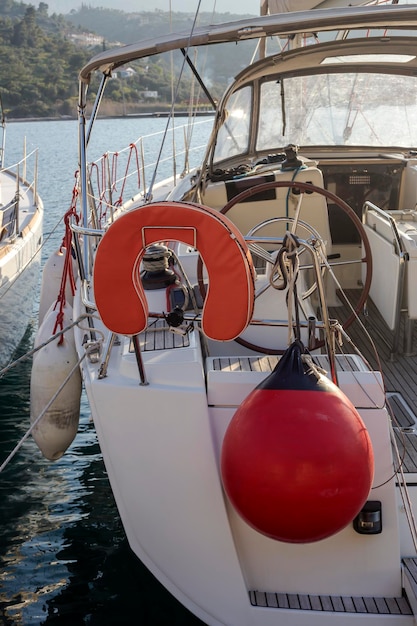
(116, 25)
(38, 63)
(41, 55)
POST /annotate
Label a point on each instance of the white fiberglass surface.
(351, 109)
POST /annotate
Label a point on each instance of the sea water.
(63, 552)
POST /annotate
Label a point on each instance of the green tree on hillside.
(39, 63)
(38, 67)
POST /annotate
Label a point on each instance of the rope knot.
(286, 264)
(311, 367)
(290, 244)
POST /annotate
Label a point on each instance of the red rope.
(101, 174)
(133, 150)
(67, 273)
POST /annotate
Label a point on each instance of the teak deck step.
(332, 604)
(267, 363)
(159, 336)
(400, 373)
(410, 581)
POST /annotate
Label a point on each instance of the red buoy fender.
(297, 461)
(118, 290)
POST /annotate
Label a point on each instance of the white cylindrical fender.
(51, 366)
(51, 282)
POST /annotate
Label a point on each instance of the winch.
(156, 273)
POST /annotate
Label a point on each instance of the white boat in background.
(21, 218)
(246, 332)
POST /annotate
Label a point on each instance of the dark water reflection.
(63, 553)
(64, 558)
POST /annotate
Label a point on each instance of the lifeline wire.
(27, 355)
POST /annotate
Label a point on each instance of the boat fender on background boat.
(51, 366)
(118, 290)
(297, 461)
(51, 281)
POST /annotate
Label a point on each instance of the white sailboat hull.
(20, 260)
(177, 518)
(296, 231)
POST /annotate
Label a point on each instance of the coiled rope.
(156, 259)
(284, 274)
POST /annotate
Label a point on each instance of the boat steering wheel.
(310, 188)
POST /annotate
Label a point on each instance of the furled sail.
(287, 6)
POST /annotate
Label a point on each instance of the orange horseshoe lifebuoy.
(118, 290)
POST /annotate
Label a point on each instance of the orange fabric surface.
(118, 291)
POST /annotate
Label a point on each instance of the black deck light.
(369, 519)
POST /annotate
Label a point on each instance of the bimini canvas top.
(403, 17)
